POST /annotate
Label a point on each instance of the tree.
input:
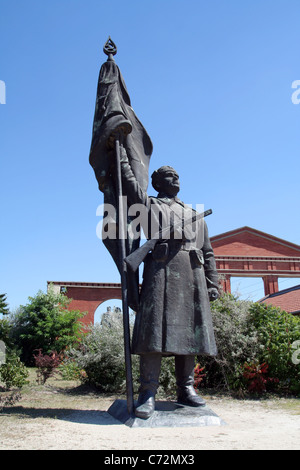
(3, 305)
(4, 323)
(46, 324)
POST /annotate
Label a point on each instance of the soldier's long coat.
(174, 316)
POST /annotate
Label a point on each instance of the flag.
(113, 111)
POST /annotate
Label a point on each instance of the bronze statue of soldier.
(179, 280)
(173, 316)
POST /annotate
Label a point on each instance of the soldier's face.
(170, 183)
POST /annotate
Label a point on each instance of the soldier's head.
(166, 180)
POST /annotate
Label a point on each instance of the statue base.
(167, 414)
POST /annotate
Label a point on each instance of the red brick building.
(87, 296)
(246, 252)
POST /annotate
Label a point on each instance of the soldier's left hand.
(213, 293)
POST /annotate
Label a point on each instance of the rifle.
(136, 257)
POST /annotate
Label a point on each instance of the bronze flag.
(113, 112)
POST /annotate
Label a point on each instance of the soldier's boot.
(186, 394)
(149, 375)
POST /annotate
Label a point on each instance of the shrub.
(46, 323)
(13, 373)
(256, 377)
(277, 331)
(69, 370)
(101, 355)
(9, 400)
(46, 365)
(167, 379)
(258, 335)
(199, 375)
(237, 343)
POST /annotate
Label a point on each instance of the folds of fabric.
(113, 113)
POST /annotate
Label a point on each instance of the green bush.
(45, 323)
(252, 336)
(101, 356)
(167, 379)
(13, 372)
(237, 342)
(277, 331)
(69, 370)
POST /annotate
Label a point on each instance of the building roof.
(287, 299)
(247, 241)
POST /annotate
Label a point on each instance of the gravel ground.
(251, 424)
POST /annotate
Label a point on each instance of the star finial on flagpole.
(110, 49)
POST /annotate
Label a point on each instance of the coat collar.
(169, 200)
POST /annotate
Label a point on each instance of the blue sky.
(212, 84)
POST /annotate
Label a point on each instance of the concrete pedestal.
(167, 414)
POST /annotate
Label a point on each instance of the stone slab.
(167, 414)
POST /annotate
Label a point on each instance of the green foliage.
(5, 325)
(5, 328)
(237, 343)
(101, 355)
(254, 347)
(167, 378)
(4, 310)
(46, 323)
(277, 331)
(69, 370)
(13, 373)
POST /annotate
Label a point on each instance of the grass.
(56, 397)
(291, 405)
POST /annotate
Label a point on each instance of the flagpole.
(110, 49)
(123, 272)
